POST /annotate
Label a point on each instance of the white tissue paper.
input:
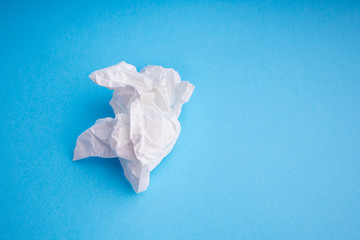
(147, 105)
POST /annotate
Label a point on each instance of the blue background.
(270, 141)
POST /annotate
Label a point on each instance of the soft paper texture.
(147, 105)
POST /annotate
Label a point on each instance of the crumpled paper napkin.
(147, 105)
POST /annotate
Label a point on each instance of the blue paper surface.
(270, 141)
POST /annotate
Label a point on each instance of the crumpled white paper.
(147, 105)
